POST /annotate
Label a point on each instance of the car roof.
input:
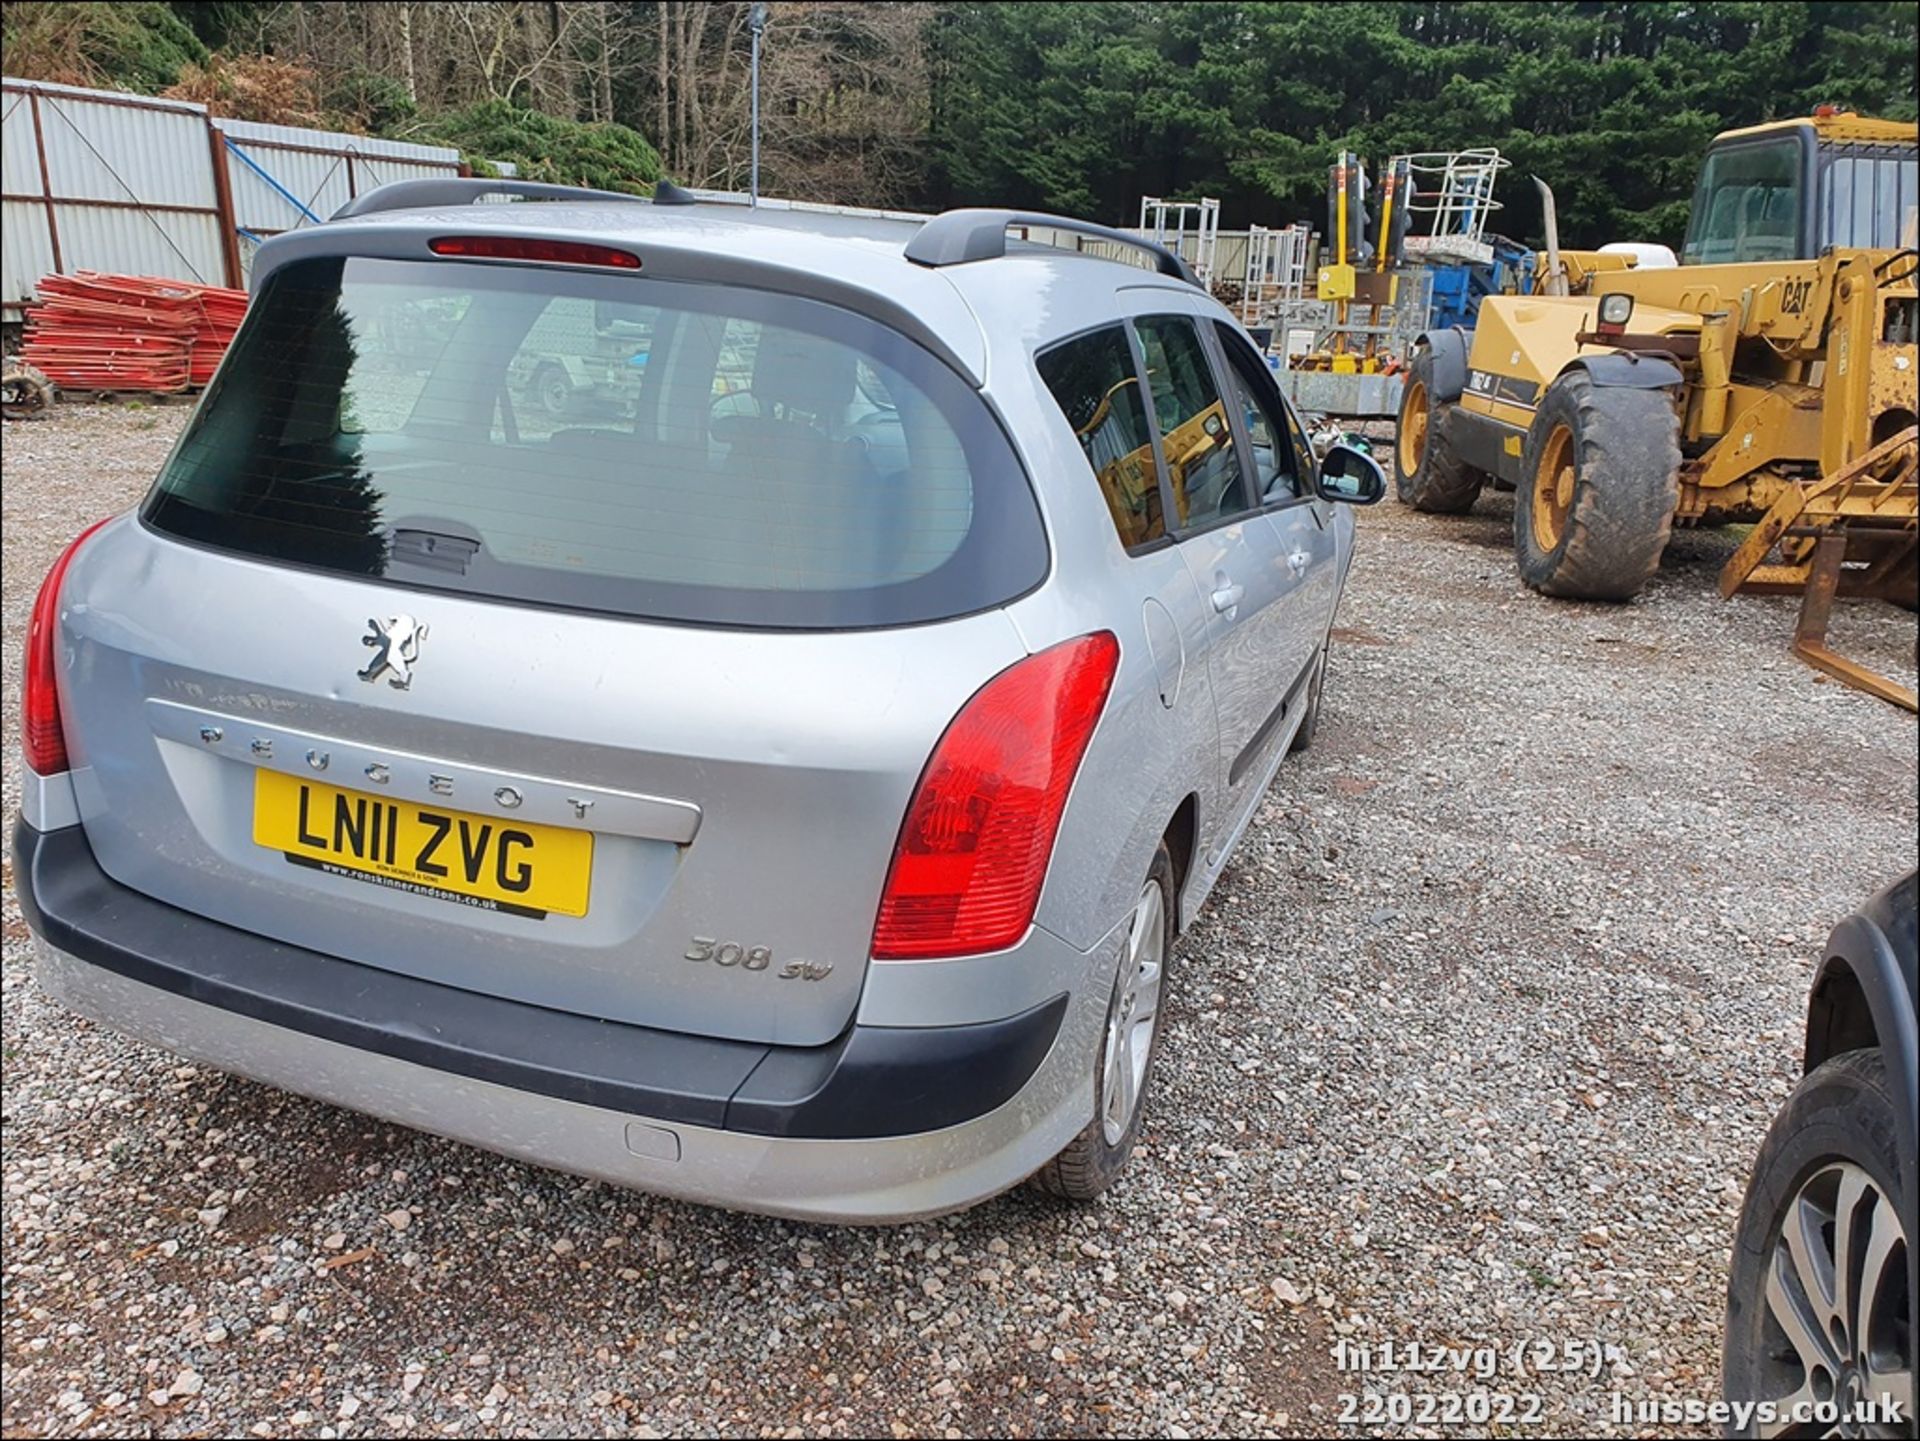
(851, 257)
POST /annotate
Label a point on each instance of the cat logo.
(1793, 296)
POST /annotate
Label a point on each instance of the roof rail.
(959, 237)
(420, 194)
(667, 193)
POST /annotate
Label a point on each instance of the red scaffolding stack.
(92, 331)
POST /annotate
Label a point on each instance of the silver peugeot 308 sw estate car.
(769, 768)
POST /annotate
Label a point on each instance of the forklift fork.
(1867, 511)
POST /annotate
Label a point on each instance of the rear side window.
(1095, 384)
(1194, 432)
(604, 443)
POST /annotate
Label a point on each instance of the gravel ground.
(1473, 1045)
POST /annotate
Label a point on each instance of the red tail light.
(514, 247)
(41, 739)
(979, 831)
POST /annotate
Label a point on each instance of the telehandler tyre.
(1427, 472)
(1600, 480)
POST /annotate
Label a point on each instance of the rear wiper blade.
(445, 550)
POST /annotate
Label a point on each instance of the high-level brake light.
(517, 247)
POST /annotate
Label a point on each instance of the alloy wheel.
(1836, 1325)
(1135, 1015)
(1414, 419)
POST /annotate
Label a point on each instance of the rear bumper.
(887, 1123)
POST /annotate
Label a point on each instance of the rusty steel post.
(46, 178)
(223, 215)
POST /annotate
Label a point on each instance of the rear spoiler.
(438, 193)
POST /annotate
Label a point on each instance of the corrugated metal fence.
(97, 180)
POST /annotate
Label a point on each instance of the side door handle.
(1227, 597)
(1298, 561)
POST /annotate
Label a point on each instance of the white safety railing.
(1449, 202)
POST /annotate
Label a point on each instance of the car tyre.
(1310, 722)
(555, 391)
(1129, 1045)
(1817, 1295)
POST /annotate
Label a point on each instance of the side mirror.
(1351, 476)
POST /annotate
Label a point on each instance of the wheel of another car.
(555, 391)
(1129, 1045)
(1817, 1308)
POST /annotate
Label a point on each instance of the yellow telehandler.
(1769, 376)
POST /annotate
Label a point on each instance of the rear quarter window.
(1094, 381)
(615, 444)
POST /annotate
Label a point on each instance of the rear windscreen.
(610, 443)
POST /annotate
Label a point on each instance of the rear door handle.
(1299, 560)
(1227, 597)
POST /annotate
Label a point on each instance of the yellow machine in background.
(1769, 376)
(1130, 480)
(1128, 477)
(1357, 282)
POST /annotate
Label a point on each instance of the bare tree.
(845, 86)
(518, 47)
(405, 12)
(843, 97)
(850, 88)
(603, 62)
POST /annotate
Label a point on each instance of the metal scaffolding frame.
(1307, 325)
(1189, 228)
(1276, 271)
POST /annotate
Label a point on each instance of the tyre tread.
(1444, 484)
(1627, 458)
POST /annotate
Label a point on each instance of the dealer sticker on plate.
(484, 861)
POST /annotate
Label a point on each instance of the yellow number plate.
(486, 861)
